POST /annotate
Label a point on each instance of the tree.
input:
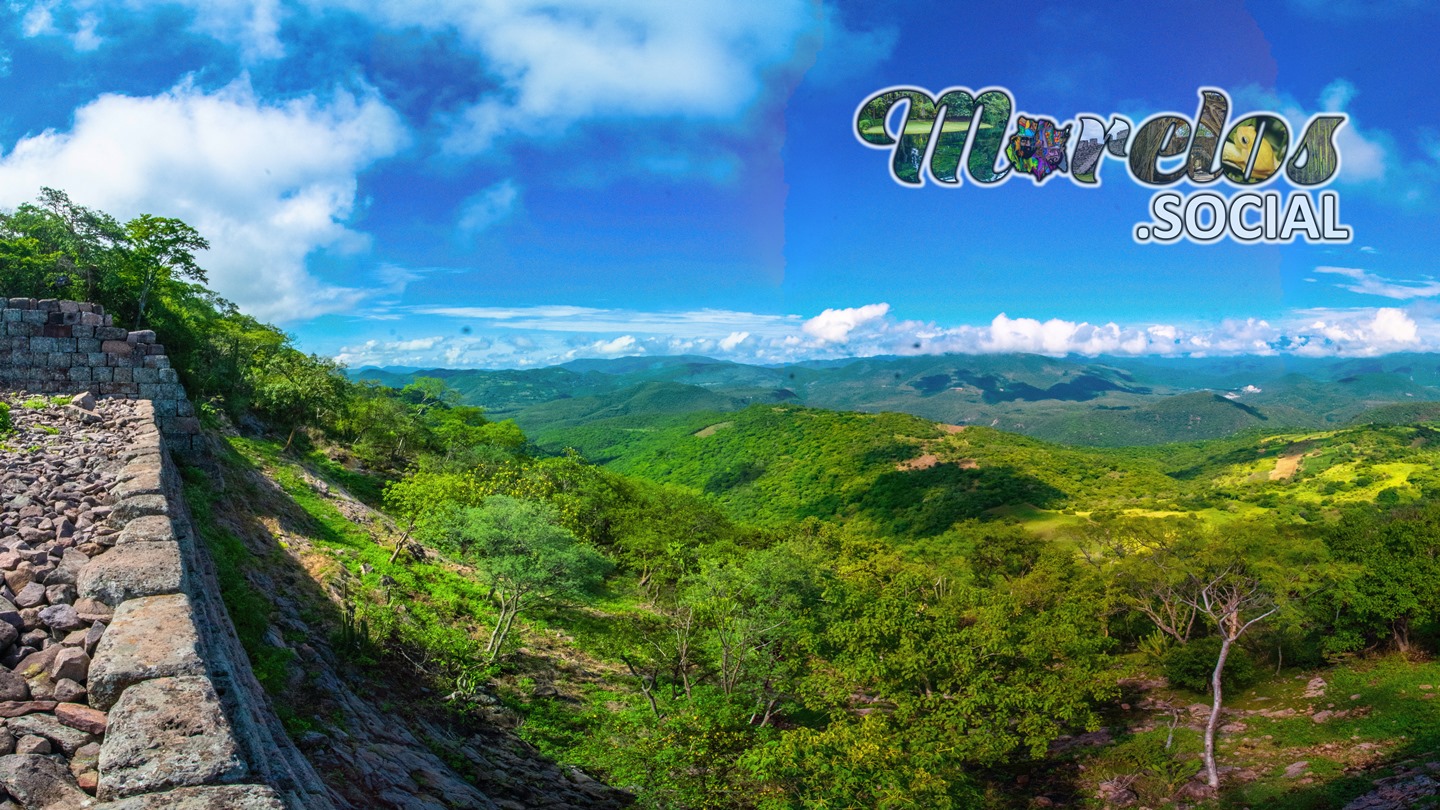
(160, 249)
(525, 557)
(1396, 586)
(91, 238)
(298, 389)
(755, 615)
(1232, 582)
(1234, 600)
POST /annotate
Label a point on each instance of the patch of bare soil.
(1289, 462)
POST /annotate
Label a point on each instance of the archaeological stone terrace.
(65, 347)
(122, 684)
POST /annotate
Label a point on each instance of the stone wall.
(128, 689)
(52, 347)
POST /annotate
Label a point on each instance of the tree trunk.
(1211, 774)
(497, 636)
(1400, 630)
(400, 544)
(144, 301)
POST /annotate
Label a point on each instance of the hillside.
(1106, 402)
(912, 478)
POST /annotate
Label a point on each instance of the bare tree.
(1234, 601)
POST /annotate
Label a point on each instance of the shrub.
(1191, 665)
(5, 424)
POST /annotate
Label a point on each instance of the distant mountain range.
(1104, 401)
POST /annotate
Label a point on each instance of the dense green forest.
(789, 607)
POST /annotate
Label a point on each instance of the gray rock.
(148, 528)
(166, 733)
(60, 735)
(39, 781)
(145, 480)
(68, 691)
(228, 797)
(93, 636)
(92, 610)
(81, 415)
(61, 618)
(30, 595)
(36, 663)
(70, 662)
(85, 400)
(132, 570)
(32, 744)
(139, 506)
(151, 637)
(12, 686)
(59, 593)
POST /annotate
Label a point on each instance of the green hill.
(908, 477)
(1107, 402)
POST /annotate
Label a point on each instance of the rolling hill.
(1110, 402)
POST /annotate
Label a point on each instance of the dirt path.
(1288, 462)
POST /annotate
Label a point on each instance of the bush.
(1191, 665)
(5, 424)
(1144, 764)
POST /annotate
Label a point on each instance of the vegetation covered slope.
(1108, 402)
(788, 607)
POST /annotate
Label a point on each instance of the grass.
(1392, 720)
(250, 611)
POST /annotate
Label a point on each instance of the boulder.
(167, 733)
(61, 736)
(130, 571)
(150, 527)
(152, 637)
(228, 797)
(39, 781)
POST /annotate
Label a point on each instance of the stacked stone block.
(115, 693)
(49, 346)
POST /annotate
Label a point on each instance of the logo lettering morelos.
(981, 134)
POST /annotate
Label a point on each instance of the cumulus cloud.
(559, 63)
(730, 341)
(268, 183)
(625, 344)
(867, 331)
(835, 325)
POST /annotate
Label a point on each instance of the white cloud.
(253, 25)
(267, 183)
(558, 64)
(38, 21)
(85, 38)
(707, 323)
(625, 344)
(1358, 332)
(730, 341)
(1370, 159)
(488, 207)
(1369, 283)
(835, 325)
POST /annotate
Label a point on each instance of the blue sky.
(462, 183)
